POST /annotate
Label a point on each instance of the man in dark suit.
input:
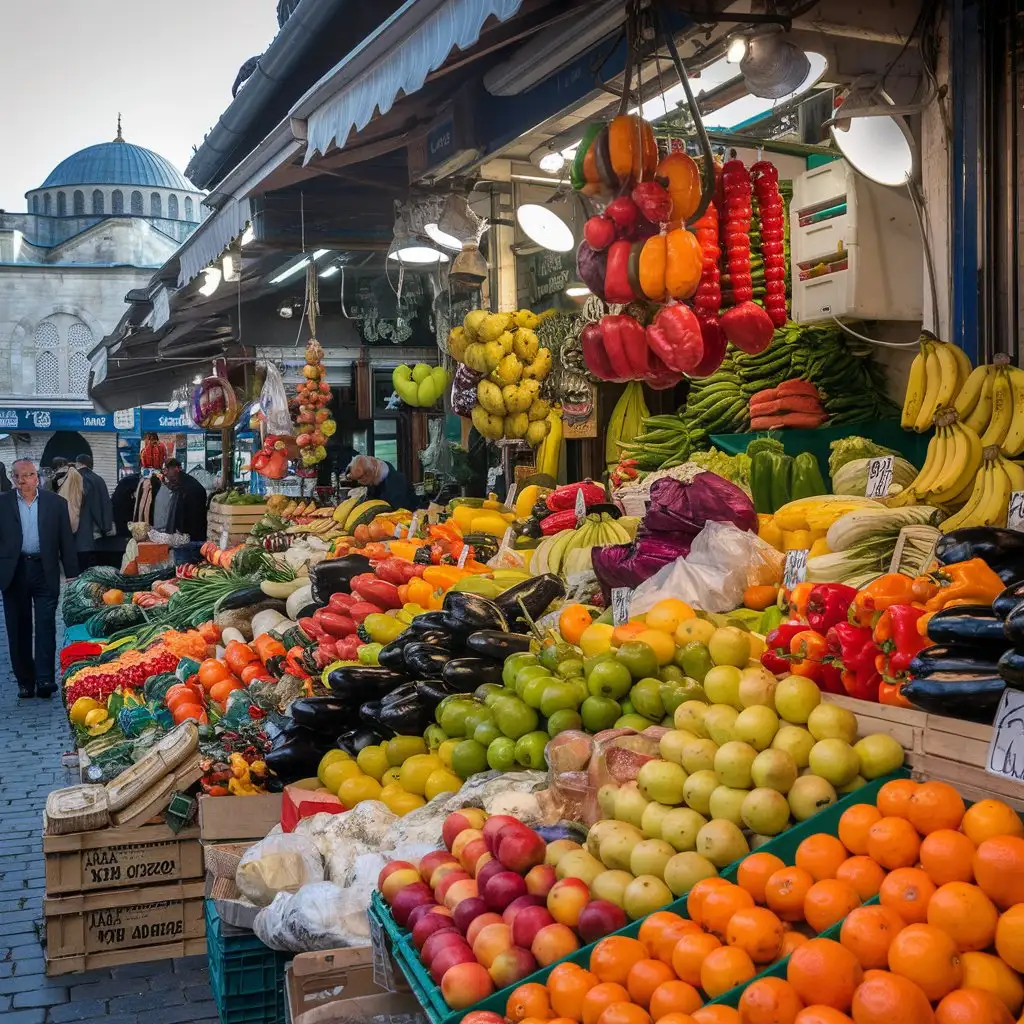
(35, 540)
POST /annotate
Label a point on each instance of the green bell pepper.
(807, 480)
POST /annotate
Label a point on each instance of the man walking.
(96, 518)
(35, 539)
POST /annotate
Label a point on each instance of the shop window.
(172, 207)
(136, 201)
(117, 201)
(62, 204)
(35, 204)
(78, 202)
(188, 208)
(97, 201)
(385, 440)
(47, 205)
(155, 205)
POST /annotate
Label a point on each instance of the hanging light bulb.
(773, 67)
(737, 49)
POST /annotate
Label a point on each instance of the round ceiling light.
(542, 225)
(435, 234)
(880, 147)
(418, 254)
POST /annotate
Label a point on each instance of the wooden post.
(226, 469)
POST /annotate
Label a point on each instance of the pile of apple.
(490, 908)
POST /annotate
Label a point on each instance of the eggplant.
(399, 693)
(1008, 600)
(299, 756)
(425, 661)
(466, 613)
(321, 714)
(369, 714)
(1013, 625)
(490, 643)
(408, 717)
(428, 620)
(332, 576)
(358, 683)
(1011, 668)
(946, 658)
(245, 597)
(536, 594)
(355, 739)
(432, 691)
(971, 698)
(1001, 550)
(968, 625)
(469, 673)
(392, 654)
(436, 638)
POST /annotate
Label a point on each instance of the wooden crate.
(238, 817)
(231, 524)
(905, 725)
(109, 921)
(116, 958)
(113, 858)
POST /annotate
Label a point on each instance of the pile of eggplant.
(967, 668)
(446, 652)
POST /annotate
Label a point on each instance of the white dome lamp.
(550, 224)
(870, 132)
(772, 67)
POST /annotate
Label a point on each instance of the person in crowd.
(68, 483)
(175, 504)
(35, 541)
(122, 503)
(5, 482)
(96, 518)
(382, 480)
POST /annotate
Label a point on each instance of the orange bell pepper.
(441, 577)
(405, 548)
(890, 693)
(798, 598)
(810, 650)
(972, 581)
(872, 600)
(418, 591)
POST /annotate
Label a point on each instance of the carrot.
(796, 420)
(797, 387)
(767, 395)
(759, 598)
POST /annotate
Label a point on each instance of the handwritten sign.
(510, 498)
(620, 604)
(1015, 511)
(1006, 748)
(492, 477)
(581, 507)
(463, 555)
(879, 476)
(796, 568)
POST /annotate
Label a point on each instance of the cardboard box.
(337, 985)
(238, 817)
(114, 858)
(119, 919)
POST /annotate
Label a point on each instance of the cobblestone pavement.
(33, 737)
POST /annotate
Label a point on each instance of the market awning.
(394, 60)
(211, 238)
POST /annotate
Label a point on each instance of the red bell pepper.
(367, 587)
(654, 201)
(828, 604)
(748, 327)
(595, 354)
(776, 653)
(714, 345)
(853, 650)
(348, 648)
(624, 344)
(616, 276)
(898, 639)
(675, 338)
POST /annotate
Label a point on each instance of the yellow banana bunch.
(990, 496)
(951, 464)
(937, 375)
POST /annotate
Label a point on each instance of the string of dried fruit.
(314, 419)
(737, 189)
(765, 177)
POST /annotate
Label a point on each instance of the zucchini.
(280, 589)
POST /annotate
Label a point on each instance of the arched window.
(80, 341)
(172, 207)
(136, 204)
(35, 204)
(79, 202)
(97, 201)
(117, 201)
(62, 205)
(47, 205)
(47, 342)
(188, 207)
(155, 205)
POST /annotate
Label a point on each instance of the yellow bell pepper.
(769, 531)
(797, 540)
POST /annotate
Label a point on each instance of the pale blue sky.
(68, 66)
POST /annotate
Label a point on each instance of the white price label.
(224, 538)
(414, 524)
(1006, 748)
(463, 555)
(492, 477)
(510, 498)
(620, 604)
(1015, 511)
(879, 476)
(796, 568)
(581, 507)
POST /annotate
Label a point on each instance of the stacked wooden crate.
(231, 524)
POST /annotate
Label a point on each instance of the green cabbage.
(846, 449)
(852, 477)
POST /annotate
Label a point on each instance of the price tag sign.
(879, 476)
(620, 604)
(397, 532)
(414, 525)
(492, 477)
(1006, 748)
(224, 538)
(510, 498)
(463, 555)
(1015, 511)
(581, 507)
(796, 568)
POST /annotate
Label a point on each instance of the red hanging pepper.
(675, 338)
(827, 604)
(776, 653)
(617, 288)
(654, 201)
(619, 333)
(748, 327)
(594, 353)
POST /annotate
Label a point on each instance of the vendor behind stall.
(177, 504)
(383, 481)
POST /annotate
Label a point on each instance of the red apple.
(502, 889)
(448, 958)
(599, 918)
(528, 922)
(471, 854)
(463, 839)
(508, 915)
(407, 899)
(511, 966)
(397, 881)
(468, 817)
(423, 910)
(466, 911)
(539, 879)
(442, 887)
(390, 868)
(488, 871)
(599, 232)
(566, 900)
(494, 825)
(478, 924)
(463, 889)
(439, 941)
(433, 860)
(466, 985)
(520, 849)
(427, 925)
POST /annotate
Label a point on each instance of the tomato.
(183, 712)
(237, 655)
(212, 671)
(254, 670)
(220, 692)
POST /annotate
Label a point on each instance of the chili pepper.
(971, 581)
(897, 638)
(828, 604)
(853, 649)
(872, 600)
(775, 656)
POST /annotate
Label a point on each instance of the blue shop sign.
(84, 420)
(164, 422)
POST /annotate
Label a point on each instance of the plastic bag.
(617, 758)
(319, 916)
(274, 403)
(723, 561)
(279, 863)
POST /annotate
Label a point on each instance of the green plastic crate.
(246, 977)
(783, 846)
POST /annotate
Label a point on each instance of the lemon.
(373, 761)
(335, 774)
(446, 751)
(417, 769)
(441, 781)
(355, 790)
(392, 789)
(402, 803)
(329, 758)
(666, 615)
(81, 708)
(401, 748)
(392, 775)
(663, 644)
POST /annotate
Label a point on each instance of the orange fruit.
(690, 953)
(820, 856)
(893, 798)
(695, 898)
(989, 818)
(530, 1000)
(567, 985)
(758, 932)
(717, 1014)
(894, 843)
(769, 1001)
(964, 913)
(613, 958)
(864, 874)
(754, 872)
(725, 968)
(999, 870)
(827, 902)
(1010, 937)
(823, 971)
(666, 943)
(624, 1013)
(868, 933)
(653, 928)
(884, 998)
(599, 998)
(220, 691)
(854, 824)
(644, 978)
(928, 957)
(573, 621)
(821, 1015)
(785, 890)
(719, 906)
(676, 1018)
(948, 856)
(907, 891)
(935, 805)
(972, 1006)
(672, 997)
(790, 940)
(982, 970)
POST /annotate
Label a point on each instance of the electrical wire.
(874, 341)
(916, 199)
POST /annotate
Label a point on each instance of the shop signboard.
(164, 422)
(82, 420)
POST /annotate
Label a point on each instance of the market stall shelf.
(230, 524)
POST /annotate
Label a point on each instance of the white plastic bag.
(723, 561)
(279, 863)
(274, 403)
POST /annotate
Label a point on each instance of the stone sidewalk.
(33, 737)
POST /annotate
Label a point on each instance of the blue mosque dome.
(117, 163)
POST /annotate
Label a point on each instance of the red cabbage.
(628, 565)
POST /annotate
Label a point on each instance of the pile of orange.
(943, 945)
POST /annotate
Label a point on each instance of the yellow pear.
(490, 426)
(458, 342)
(536, 432)
(472, 320)
(517, 425)
(539, 409)
(540, 367)
(525, 344)
(508, 370)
